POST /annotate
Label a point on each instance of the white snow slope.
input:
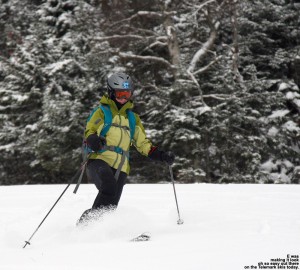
(230, 227)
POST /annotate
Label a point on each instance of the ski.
(142, 237)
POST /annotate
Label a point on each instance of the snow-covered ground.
(230, 227)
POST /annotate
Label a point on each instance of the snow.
(297, 102)
(273, 131)
(279, 113)
(7, 147)
(32, 127)
(292, 95)
(58, 66)
(278, 169)
(152, 133)
(202, 110)
(225, 227)
(65, 129)
(291, 126)
(283, 86)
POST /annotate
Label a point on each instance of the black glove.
(158, 155)
(168, 157)
(95, 142)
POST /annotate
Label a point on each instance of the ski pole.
(179, 221)
(74, 177)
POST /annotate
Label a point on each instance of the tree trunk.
(235, 48)
(173, 46)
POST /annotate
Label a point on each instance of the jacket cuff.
(155, 153)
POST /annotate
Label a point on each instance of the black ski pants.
(103, 176)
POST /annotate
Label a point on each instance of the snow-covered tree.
(217, 82)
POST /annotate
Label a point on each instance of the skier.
(108, 164)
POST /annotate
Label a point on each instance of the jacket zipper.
(120, 139)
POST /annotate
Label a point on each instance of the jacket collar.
(106, 100)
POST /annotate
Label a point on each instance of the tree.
(217, 81)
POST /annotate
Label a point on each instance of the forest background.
(217, 82)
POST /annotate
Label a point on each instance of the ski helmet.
(119, 82)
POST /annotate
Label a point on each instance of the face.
(121, 100)
(122, 96)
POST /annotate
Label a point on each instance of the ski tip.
(146, 236)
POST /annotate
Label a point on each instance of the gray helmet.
(119, 81)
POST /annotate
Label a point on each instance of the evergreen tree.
(217, 82)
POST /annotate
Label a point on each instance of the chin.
(122, 101)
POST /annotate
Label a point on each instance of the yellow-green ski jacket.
(117, 136)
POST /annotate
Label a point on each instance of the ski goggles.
(122, 94)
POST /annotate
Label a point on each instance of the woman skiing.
(110, 130)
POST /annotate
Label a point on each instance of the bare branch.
(218, 96)
(115, 37)
(193, 6)
(220, 7)
(154, 44)
(201, 70)
(147, 14)
(206, 46)
(197, 84)
(203, 5)
(147, 58)
(213, 96)
(162, 38)
(129, 29)
(158, 43)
